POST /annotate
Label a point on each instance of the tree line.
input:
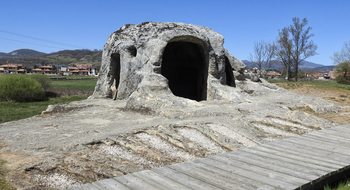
(292, 46)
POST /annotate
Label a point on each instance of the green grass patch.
(321, 84)
(343, 185)
(11, 111)
(84, 84)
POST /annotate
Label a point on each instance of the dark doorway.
(230, 79)
(184, 65)
(115, 72)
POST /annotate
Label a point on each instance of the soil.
(340, 97)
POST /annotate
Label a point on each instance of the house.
(13, 68)
(89, 67)
(273, 74)
(333, 74)
(44, 70)
(320, 76)
(77, 71)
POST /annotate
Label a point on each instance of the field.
(67, 90)
(329, 90)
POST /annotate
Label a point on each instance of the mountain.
(30, 57)
(306, 65)
(324, 69)
(22, 53)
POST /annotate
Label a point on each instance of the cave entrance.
(185, 66)
(115, 71)
(230, 79)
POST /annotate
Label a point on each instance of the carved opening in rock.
(132, 50)
(115, 71)
(230, 80)
(185, 66)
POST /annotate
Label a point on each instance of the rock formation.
(166, 59)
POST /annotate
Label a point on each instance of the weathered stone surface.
(183, 57)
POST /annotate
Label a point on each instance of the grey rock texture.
(174, 57)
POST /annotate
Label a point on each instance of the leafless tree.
(343, 55)
(283, 50)
(303, 47)
(263, 54)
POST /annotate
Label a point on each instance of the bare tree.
(283, 50)
(263, 54)
(343, 55)
(303, 47)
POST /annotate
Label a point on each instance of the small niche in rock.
(132, 50)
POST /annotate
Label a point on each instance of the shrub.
(20, 88)
(342, 79)
(43, 80)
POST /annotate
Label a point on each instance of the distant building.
(319, 76)
(77, 71)
(13, 69)
(333, 74)
(44, 70)
(89, 67)
(273, 74)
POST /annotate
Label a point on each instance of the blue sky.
(53, 25)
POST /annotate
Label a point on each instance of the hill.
(30, 57)
(324, 69)
(307, 65)
(22, 53)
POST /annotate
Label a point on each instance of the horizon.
(71, 25)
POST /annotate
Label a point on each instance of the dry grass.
(3, 184)
(329, 90)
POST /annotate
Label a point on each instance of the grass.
(3, 184)
(87, 84)
(343, 185)
(11, 111)
(321, 84)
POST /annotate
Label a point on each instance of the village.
(83, 69)
(86, 69)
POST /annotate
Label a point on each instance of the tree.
(343, 67)
(263, 54)
(342, 59)
(283, 50)
(343, 55)
(294, 45)
(303, 47)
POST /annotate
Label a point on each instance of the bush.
(20, 88)
(43, 80)
(342, 79)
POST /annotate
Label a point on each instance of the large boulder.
(168, 59)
